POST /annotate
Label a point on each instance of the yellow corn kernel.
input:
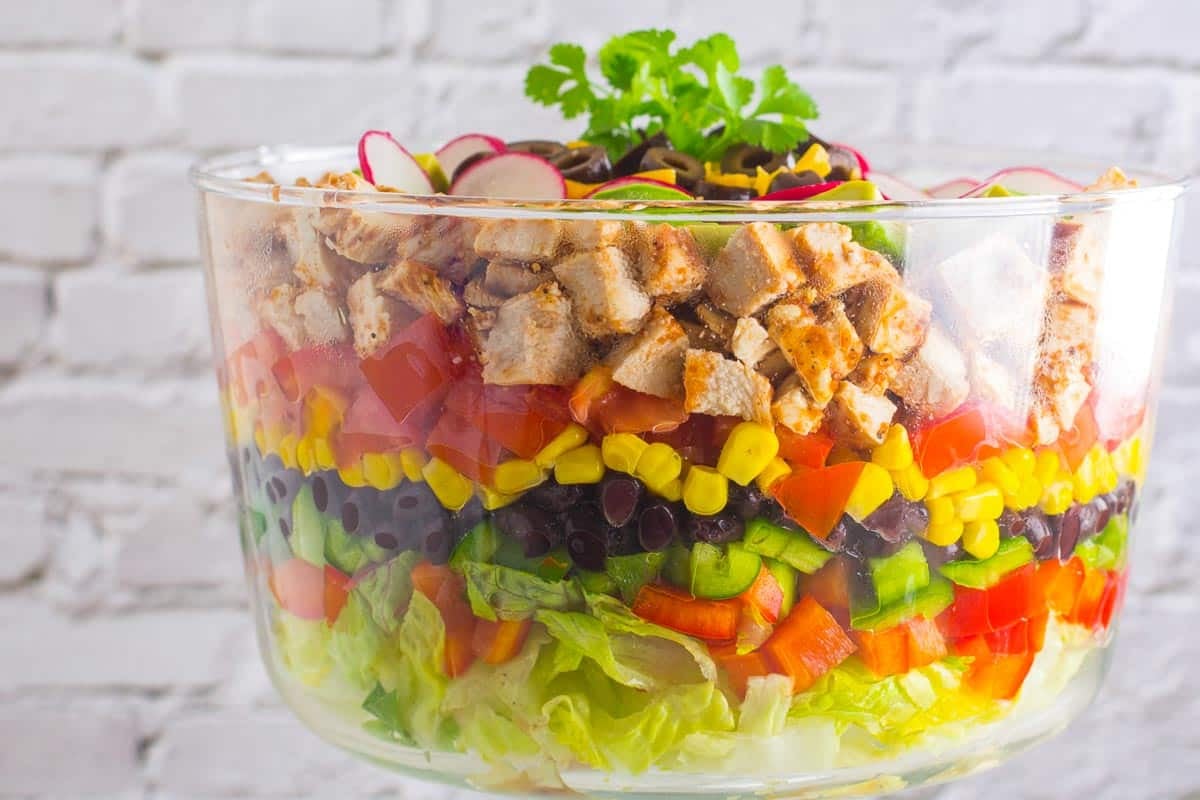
(1107, 478)
(573, 436)
(873, 488)
(1084, 481)
(951, 481)
(491, 500)
(778, 468)
(1005, 477)
(1136, 458)
(518, 475)
(1020, 460)
(895, 452)
(452, 489)
(658, 465)
(621, 451)
(306, 459)
(1029, 495)
(287, 451)
(944, 534)
(671, 490)
(1046, 467)
(981, 538)
(412, 461)
(581, 465)
(260, 440)
(981, 501)
(705, 491)
(911, 482)
(379, 472)
(353, 475)
(941, 510)
(323, 453)
(1056, 497)
(747, 452)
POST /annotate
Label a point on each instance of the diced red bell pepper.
(603, 406)
(699, 438)
(967, 435)
(807, 643)
(804, 451)
(974, 612)
(995, 675)
(333, 367)
(299, 588)
(416, 368)
(523, 419)
(912, 644)
(740, 668)
(765, 596)
(495, 642)
(464, 447)
(1114, 596)
(1025, 636)
(711, 620)
(1090, 602)
(816, 498)
(446, 589)
(337, 591)
(1075, 443)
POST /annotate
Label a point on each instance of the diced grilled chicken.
(534, 340)
(508, 278)
(443, 243)
(834, 262)
(314, 262)
(593, 234)
(324, 320)
(418, 285)
(794, 409)
(651, 361)
(820, 344)
(277, 311)
(526, 240)
(859, 418)
(720, 386)
(756, 267)
(1061, 381)
(1077, 259)
(888, 318)
(365, 237)
(673, 269)
(750, 342)
(606, 298)
(374, 316)
(933, 382)
(875, 373)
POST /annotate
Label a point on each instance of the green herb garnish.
(684, 93)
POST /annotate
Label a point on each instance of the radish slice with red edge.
(513, 176)
(802, 192)
(456, 151)
(385, 162)
(863, 165)
(635, 188)
(1027, 180)
(895, 189)
(955, 188)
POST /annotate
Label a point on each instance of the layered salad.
(603, 491)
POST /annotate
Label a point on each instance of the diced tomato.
(884, 652)
(464, 447)
(603, 406)
(995, 675)
(521, 418)
(499, 641)
(1075, 443)
(712, 620)
(299, 588)
(329, 366)
(831, 585)
(446, 589)
(816, 498)
(337, 591)
(804, 451)
(1061, 583)
(807, 643)
(765, 596)
(740, 668)
(1020, 637)
(416, 368)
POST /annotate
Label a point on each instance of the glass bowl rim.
(220, 175)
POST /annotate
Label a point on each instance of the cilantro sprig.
(693, 95)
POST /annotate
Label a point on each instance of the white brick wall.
(127, 667)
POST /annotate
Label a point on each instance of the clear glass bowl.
(515, 517)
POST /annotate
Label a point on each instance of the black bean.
(387, 541)
(320, 493)
(897, 520)
(554, 497)
(284, 528)
(745, 501)
(351, 516)
(717, 528)
(1041, 533)
(657, 526)
(437, 545)
(587, 549)
(619, 495)
(1103, 507)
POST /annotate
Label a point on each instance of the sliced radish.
(895, 189)
(863, 165)
(514, 176)
(955, 188)
(802, 192)
(1027, 180)
(456, 151)
(385, 162)
(635, 188)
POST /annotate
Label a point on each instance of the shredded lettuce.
(386, 589)
(304, 647)
(355, 642)
(496, 591)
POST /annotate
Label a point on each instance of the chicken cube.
(594, 234)
(475, 294)
(526, 240)
(834, 262)
(750, 342)
(713, 384)
(374, 316)
(794, 409)
(1077, 260)
(1061, 381)
(996, 292)
(756, 267)
(534, 340)
(365, 237)
(992, 383)
(875, 373)
(672, 267)
(933, 382)
(820, 344)
(606, 298)
(651, 361)
(859, 418)
(888, 318)
(444, 243)
(508, 278)
(313, 261)
(419, 285)
(324, 320)
(277, 311)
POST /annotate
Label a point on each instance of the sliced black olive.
(842, 163)
(791, 180)
(631, 161)
(584, 164)
(745, 159)
(538, 147)
(688, 169)
(715, 191)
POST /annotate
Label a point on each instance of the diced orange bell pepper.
(496, 642)
(925, 642)
(1075, 443)
(740, 668)
(712, 620)
(765, 596)
(1114, 596)
(803, 451)
(446, 589)
(884, 652)
(994, 675)
(807, 643)
(816, 498)
(1061, 583)
(1091, 596)
(337, 591)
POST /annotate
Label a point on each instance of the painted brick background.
(127, 664)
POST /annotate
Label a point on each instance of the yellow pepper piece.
(873, 488)
(950, 482)
(491, 500)
(747, 452)
(382, 471)
(581, 465)
(941, 510)
(778, 468)
(815, 158)
(1046, 467)
(981, 538)
(452, 489)
(982, 501)
(412, 461)
(1020, 460)
(713, 174)
(1005, 477)
(895, 452)
(911, 482)
(658, 465)
(705, 491)
(671, 490)
(666, 175)
(323, 453)
(621, 451)
(518, 475)
(944, 534)
(1057, 497)
(306, 459)
(287, 451)
(573, 436)
(352, 475)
